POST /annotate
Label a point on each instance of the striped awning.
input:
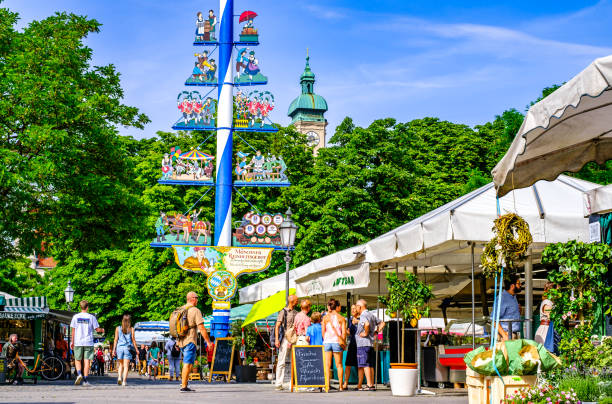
(37, 301)
(25, 308)
(152, 326)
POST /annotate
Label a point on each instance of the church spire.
(307, 78)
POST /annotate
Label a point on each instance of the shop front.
(38, 328)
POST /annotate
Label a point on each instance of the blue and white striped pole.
(225, 114)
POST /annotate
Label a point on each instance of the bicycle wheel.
(52, 368)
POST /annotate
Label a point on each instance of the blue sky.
(460, 61)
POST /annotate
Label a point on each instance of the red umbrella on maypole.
(247, 15)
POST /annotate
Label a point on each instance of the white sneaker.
(123, 383)
(86, 383)
(78, 380)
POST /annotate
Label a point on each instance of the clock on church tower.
(308, 109)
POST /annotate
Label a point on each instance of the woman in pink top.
(302, 322)
(333, 329)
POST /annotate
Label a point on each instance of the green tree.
(64, 173)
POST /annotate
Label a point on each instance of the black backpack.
(175, 352)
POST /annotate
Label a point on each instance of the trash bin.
(2, 370)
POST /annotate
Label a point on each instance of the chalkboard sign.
(307, 367)
(222, 359)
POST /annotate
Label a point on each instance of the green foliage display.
(580, 272)
(409, 296)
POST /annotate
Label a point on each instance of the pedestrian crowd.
(337, 334)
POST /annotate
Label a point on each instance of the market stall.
(443, 248)
(38, 328)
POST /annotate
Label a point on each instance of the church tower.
(307, 111)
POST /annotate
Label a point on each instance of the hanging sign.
(222, 265)
(262, 230)
(236, 260)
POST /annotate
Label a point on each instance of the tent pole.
(528, 294)
(398, 322)
(376, 343)
(473, 303)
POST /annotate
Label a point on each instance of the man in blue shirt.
(509, 308)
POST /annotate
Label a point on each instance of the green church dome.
(308, 106)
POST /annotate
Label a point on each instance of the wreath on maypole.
(508, 246)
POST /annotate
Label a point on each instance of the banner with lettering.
(344, 278)
(222, 265)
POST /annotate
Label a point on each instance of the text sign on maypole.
(222, 265)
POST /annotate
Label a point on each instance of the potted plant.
(409, 297)
(245, 339)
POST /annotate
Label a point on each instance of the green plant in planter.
(409, 296)
(580, 274)
(250, 336)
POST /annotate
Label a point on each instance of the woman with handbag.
(333, 329)
(124, 340)
(351, 354)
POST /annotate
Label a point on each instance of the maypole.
(249, 247)
(225, 113)
(223, 185)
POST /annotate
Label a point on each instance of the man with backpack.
(185, 322)
(173, 352)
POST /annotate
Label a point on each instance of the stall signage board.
(22, 316)
(223, 357)
(307, 367)
(222, 265)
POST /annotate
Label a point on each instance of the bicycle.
(50, 368)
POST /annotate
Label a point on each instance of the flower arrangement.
(542, 395)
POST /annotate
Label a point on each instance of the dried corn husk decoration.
(508, 246)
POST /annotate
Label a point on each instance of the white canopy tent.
(441, 240)
(598, 200)
(563, 132)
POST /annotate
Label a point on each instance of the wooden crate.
(510, 385)
(478, 387)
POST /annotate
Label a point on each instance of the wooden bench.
(194, 376)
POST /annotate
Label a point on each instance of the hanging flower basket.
(508, 246)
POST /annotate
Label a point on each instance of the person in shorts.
(369, 325)
(188, 342)
(122, 347)
(333, 329)
(82, 326)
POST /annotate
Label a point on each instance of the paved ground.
(140, 390)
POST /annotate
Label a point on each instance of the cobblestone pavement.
(141, 390)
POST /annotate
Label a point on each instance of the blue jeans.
(175, 366)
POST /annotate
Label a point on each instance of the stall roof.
(553, 210)
(563, 132)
